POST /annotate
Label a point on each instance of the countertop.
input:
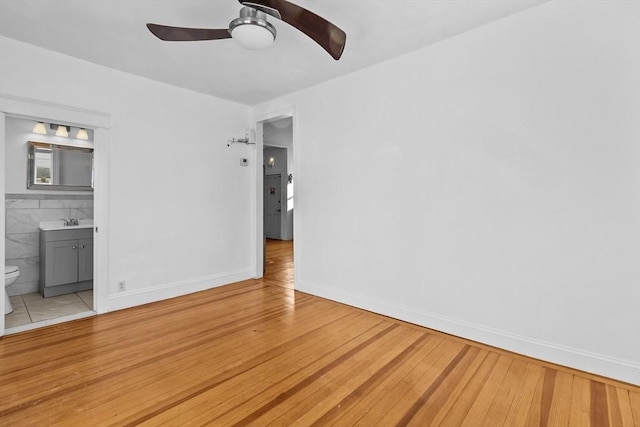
(59, 225)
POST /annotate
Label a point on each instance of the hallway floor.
(279, 264)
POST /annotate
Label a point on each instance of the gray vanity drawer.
(67, 234)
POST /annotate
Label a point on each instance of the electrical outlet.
(122, 286)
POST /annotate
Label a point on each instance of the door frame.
(257, 259)
(33, 109)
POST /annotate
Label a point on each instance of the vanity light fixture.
(82, 134)
(62, 130)
(40, 128)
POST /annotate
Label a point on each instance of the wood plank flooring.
(279, 263)
(259, 353)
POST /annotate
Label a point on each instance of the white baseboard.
(127, 299)
(623, 370)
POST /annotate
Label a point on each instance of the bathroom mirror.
(59, 167)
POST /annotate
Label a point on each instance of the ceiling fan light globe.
(252, 36)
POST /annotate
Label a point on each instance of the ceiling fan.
(252, 30)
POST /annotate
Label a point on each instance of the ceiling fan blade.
(179, 34)
(331, 38)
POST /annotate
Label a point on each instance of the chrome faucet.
(65, 222)
(73, 221)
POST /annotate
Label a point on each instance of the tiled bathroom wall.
(24, 212)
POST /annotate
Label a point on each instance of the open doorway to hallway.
(279, 263)
(278, 197)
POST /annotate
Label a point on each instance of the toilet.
(11, 273)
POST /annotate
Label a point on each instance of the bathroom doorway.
(26, 209)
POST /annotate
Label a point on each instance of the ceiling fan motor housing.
(251, 30)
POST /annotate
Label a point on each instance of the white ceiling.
(113, 33)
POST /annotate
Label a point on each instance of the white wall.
(486, 186)
(178, 200)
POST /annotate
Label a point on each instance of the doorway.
(278, 197)
(37, 111)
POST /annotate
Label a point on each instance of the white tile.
(23, 288)
(49, 322)
(86, 213)
(21, 203)
(40, 308)
(68, 204)
(22, 245)
(19, 316)
(86, 297)
(27, 220)
(29, 269)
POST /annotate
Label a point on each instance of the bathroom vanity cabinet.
(66, 261)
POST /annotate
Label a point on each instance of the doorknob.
(279, 210)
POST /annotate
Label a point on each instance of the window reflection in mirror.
(43, 166)
(59, 167)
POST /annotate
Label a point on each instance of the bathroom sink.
(59, 225)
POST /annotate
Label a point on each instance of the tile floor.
(33, 308)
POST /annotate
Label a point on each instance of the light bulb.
(40, 128)
(62, 131)
(82, 134)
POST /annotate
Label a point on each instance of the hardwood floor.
(279, 263)
(260, 353)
